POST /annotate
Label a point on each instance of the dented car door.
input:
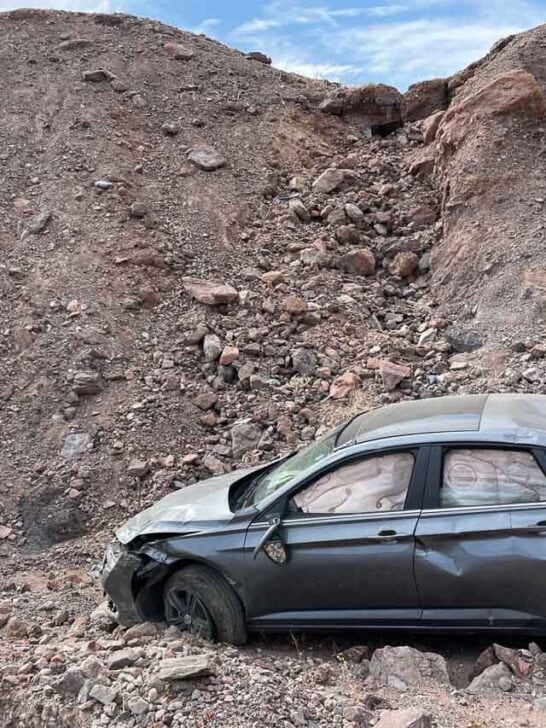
(467, 569)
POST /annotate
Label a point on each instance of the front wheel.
(200, 601)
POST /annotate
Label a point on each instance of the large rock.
(424, 98)
(392, 374)
(402, 667)
(492, 680)
(331, 179)
(207, 158)
(343, 385)
(404, 718)
(178, 51)
(371, 105)
(304, 361)
(360, 262)
(212, 347)
(245, 436)
(209, 292)
(185, 668)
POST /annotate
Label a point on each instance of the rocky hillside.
(205, 262)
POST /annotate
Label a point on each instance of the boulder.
(298, 209)
(138, 468)
(402, 667)
(424, 98)
(392, 374)
(212, 347)
(122, 658)
(295, 306)
(178, 51)
(373, 105)
(76, 444)
(207, 158)
(185, 668)
(245, 436)
(343, 385)
(16, 629)
(211, 293)
(304, 361)
(330, 179)
(360, 262)
(229, 355)
(86, 383)
(492, 680)
(430, 126)
(404, 264)
(258, 56)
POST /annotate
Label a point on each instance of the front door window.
(370, 485)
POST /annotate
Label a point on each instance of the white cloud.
(279, 13)
(417, 49)
(258, 25)
(207, 26)
(332, 71)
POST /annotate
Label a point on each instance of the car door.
(528, 539)
(348, 534)
(468, 570)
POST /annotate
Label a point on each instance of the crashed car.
(421, 515)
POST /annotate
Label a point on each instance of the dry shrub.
(337, 411)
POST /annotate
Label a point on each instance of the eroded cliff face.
(489, 165)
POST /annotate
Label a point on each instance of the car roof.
(459, 413)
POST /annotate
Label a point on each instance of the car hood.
(204, 501)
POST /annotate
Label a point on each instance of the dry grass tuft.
(336, 412)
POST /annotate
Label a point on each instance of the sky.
(397, 42)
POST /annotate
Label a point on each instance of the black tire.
(201, 601)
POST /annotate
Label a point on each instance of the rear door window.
(490, 476)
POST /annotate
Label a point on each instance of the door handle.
(386, 535)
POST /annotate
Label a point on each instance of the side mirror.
(272, 544)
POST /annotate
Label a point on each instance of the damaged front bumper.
(117, 574)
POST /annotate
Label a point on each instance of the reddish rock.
(423, 215)
(430, 126)
(295, 306)
(360, 261)
(404, 264)
(273, 277)
(344, 385)
(228, 355)
(424, 98)
(5, 532)
(209, 292)
(392, 374)
(178, 51)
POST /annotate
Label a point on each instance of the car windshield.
(290, 468)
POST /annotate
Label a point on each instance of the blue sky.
(392, 41)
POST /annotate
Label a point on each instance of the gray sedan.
(421, 515)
